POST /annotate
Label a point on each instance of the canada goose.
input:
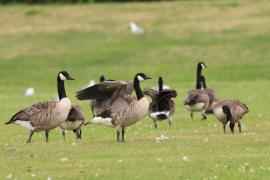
(196, 99)
(45, 116)
(73, 122)
(121, 109)
(230, 110)
(93, 103)
(162, 106)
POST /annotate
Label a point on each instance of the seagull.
(29, 91)
(135, 29)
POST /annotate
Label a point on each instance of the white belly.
(154, 115)
(68, 125)
(195, 107)
(25, 124)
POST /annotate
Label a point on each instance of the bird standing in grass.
(162, 106)
(230, 111)
(120, 108)
(197, 100)
(45, 116)
(74, 121)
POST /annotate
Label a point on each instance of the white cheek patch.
(140, 78)
(62, 77)
(203, 66)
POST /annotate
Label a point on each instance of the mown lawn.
(88, 40)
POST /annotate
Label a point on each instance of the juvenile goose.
(120, 109)
(93, 103)
(230, 111)
(162, 106)
(73, 122)
(45, 116)
(197, 100)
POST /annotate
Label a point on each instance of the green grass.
(88, 40)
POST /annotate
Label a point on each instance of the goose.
(162, 106)
(73, 122)
(45, 116)
(120, 108)
(197, 100)
(93, 103)
(232, 111)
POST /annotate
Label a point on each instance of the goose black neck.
(229, 117)
(137, 88)
(160, 84)
(203, 82)
(199, 73)
(61, 88)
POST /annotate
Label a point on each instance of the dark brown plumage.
(162, 106)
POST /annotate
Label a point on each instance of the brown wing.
(151, 93)
(37, 111)
(103, 90)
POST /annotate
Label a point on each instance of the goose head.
(202, 65)
(101, 78)
(64, 75)
(141, 77)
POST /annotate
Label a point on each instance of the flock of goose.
(113, 105)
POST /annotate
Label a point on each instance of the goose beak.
(70, 78)
(147, 78)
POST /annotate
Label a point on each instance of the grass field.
(88, 40)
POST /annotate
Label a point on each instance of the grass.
(89, 40)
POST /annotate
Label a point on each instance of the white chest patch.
(102, 121)
(154, 115)
(195, 107)
(63, 107)
(25, 124)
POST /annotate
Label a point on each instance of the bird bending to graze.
(45, 116)
(73, 122)
(162, 106)
(230, 111)
(93, 103)
(120, 108)
(197, 100)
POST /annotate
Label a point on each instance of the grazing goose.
(45, 116)
(93, 103)
(74, 121)
(120, 109)
(230, 111)
(162, 106)
(197, 100)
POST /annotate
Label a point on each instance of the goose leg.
(79, 133)
(123, 135)
(118, 134)
(47, 135)
(93, 112)
(232, 127)
(155, 123)
(170, 123)
(203, 115)
(30, 137)
(64, 134)
(224, 128)
(239, 126)
(191, 115)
